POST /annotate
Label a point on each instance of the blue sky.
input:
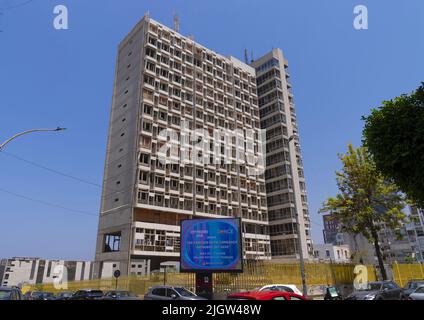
(50, 78)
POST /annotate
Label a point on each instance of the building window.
(112, 242)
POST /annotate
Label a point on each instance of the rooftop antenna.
(147, 15)
(251, 57)
(246, 59)
(176, 23)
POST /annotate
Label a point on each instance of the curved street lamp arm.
(26, 132)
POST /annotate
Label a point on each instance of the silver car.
(170, 293)
(418, 294)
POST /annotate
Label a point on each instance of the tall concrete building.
(172, 91)
(285, 181)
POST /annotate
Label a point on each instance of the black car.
(40, 295)
(120, 295)
(87, 294)
(410, 287)
(379, 290)
(10, 294)
(64, 295)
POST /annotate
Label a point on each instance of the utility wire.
(49, 169)
(48, 203)
(125, 189)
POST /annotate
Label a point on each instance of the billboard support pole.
(204, 284)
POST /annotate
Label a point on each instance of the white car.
(281, 287)
(418, 294)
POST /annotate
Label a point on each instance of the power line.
(125, 189)
(51, 170)
(48, 203)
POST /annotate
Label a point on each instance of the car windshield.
(184, 292)
(95, 292)
(37, 294)
(372, 286)
(122, 294)
(65, 294)
(415, 284)
(4, 295)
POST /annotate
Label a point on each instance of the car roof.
(279, 284)
(89, 290)
(260, 295)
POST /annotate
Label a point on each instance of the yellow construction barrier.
(254, 275)
(402, 273)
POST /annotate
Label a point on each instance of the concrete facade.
(166, 81)
(393, 248)
(415, 231)
(285, 180)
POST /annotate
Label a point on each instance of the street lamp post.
(299, 241)
(26, 132)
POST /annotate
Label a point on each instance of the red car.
(265, 295)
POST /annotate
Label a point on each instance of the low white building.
(20, 271)
(332, 253)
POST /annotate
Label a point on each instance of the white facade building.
(332, 253)
(415, 231)
(25, 270)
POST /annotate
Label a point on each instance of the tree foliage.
(394, 135)
(366, 201)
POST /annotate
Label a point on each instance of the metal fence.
(254, 275)
(402, 273)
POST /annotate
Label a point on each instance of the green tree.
(366, 201)
(394, 135)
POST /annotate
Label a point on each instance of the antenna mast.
(176, 23)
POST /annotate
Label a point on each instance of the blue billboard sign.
(212, 245)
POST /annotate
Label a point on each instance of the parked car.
(379, 290)
(10, 294)
(410, 287)
(41, 295)
(64, 295)
(418, 294)
(27, 295)
(265, 295)
(280, 287)
(87, 294)
(120, 295)
(170, 293)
